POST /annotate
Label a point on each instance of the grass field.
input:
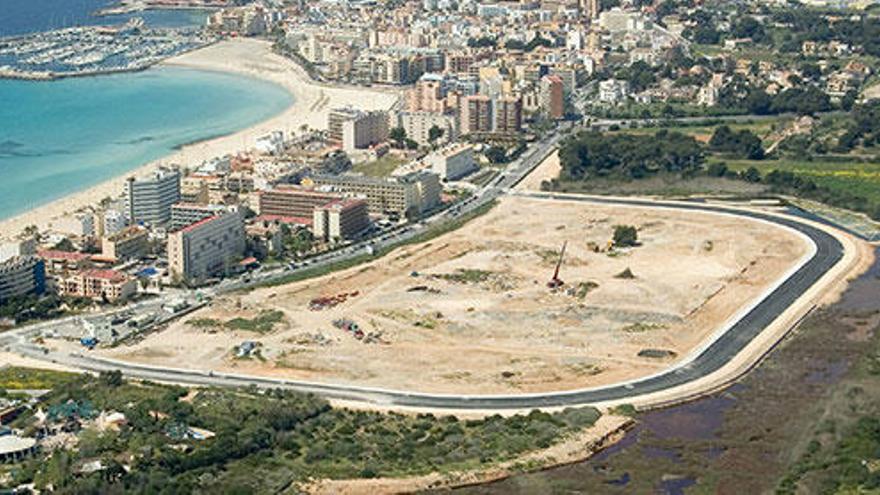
(15, 378)
(379, 168)
(760, 127)
(859, 178)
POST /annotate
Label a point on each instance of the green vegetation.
(204, 323)
(591, 154)
(466, 276)
(263, 323)
(625, 236)
(640, 327)
(514, 44)
(850, 182)
(379, 168)
(845, 184)
(29, 308)
(267, 441)
(17, 378)
(584, 288)
(741, 144)
(841, 455)
(705, 128)
(628, 410)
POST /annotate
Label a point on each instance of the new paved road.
(828, 252)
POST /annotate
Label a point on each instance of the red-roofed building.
(107, 285)
(63, 261)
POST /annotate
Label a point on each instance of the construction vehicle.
(556, 282)
(89, 341)
(349, 326)
(326, 302)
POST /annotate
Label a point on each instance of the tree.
(434, 133)
(625, 236)
(398, 135)
(706, 34)
(751, 175)
(748, 27)
(591, 154)
(65, 244)
(496, 154)
(717, 169)
(300, 241)
(742, 143)
(849, 100)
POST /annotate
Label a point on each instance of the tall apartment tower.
(508, 115)
(553, 97)
(148, 200)
(207, 248)
(592, 9)
(476, 114)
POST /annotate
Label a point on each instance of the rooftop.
(11, 444)
(111, 275)
(55, 254)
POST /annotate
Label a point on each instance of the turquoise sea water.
(19, 17)
(63, 136)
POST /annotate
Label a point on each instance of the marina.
(80, 51)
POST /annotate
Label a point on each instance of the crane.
(555, 282)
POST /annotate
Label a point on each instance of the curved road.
(828, 252)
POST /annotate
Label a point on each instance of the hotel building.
(183, 214)
(148, 199)
(294, 203)
(108, 285)
(340, 219)
(206, 248)
(22, 275)
(356, 129)
(452, 162)
(127, 244)
(406, 195)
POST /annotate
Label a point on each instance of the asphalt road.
(829, 251)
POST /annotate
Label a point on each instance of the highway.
(828, 252)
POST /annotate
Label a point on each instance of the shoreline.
(243, 57)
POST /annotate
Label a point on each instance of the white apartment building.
(356, 129)
(148, 199)
(418, 126)
(452, 162)
(613, 91)
(340, 219)
(185, 214)
(207, 248)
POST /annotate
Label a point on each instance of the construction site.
(536, 295)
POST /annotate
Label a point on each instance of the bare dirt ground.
(470, 312)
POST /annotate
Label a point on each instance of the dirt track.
(484, 321)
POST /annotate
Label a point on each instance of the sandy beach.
(247, 57)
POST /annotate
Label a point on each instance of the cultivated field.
(470, 311)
